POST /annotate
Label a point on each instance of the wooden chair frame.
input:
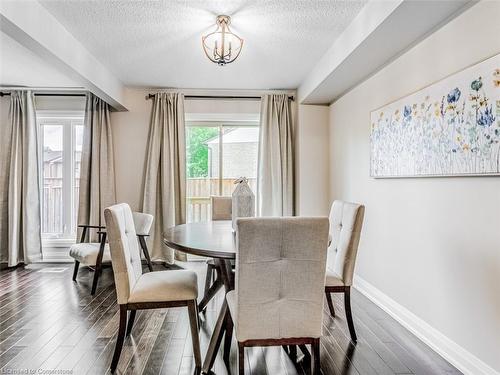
(102, 239)
(291, 342)
(125, 329)
(347, 305)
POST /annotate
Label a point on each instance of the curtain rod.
(41, 94)
(208, 97)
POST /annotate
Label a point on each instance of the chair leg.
(228, 337)
(303, 349)
(144, 246)
(120, 338)
(293, 352)
(315, 360)
(241, 359)
(347, 304)
(75, 271)
(131, 320)
(208, 278)
(97, 271)
(95, 280)
(98, 263)
(193, 321)
(330, 303)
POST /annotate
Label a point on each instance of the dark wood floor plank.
(52, 362)
(371, 334)
(49, 321)
(9, 354)
(89, 339)
(418, 349)
(139, 353)
(155, 359)
(403, 348)
(361, 354)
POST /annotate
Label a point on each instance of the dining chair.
(221, 210)
(138, 291)
(96, 254)
(346, 221)
(279, 283)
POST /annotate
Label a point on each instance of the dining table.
(216, 240)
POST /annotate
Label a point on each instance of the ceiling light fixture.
(222, 46)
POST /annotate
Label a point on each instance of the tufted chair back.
(124, 248)
(280, 276)
(346, 221)
(221, 208)
(142, 223)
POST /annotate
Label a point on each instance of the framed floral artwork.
(450, 128)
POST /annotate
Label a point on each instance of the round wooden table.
(214, 239)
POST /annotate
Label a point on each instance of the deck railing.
(198, 192)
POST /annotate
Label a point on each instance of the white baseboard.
(448, 349)
(56, 254)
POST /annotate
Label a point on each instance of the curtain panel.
(275, 176)
(97, 171)
(165, 172)
(20, 233)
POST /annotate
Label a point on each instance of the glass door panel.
(202, 171)
(52, 181)
(240, 152)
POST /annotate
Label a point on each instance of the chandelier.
(222, 46)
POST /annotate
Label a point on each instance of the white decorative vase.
(243, 200)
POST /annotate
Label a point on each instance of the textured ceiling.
(158, 43)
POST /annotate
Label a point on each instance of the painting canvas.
(451, 128)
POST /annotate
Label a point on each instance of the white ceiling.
(158, 43)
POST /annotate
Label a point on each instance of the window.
(216, 155)
(60, 140)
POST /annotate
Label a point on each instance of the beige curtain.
(165, 173)
(97, 173)
(275, 177)
(20, 238)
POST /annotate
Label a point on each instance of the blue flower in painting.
(454, 95)
(407, 111)
(476, 84)
(486, 118)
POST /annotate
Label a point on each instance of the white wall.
(430, 244)
(311, 164)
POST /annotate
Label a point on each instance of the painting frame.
(495, 101)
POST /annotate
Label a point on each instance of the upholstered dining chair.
(346, 221)
(221, 210)
(96, 254)
(279, 284)
(138, 291)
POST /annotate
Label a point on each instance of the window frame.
(69, 120)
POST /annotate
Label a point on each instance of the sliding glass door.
(216, 155)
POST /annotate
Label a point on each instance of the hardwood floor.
(47, 321)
